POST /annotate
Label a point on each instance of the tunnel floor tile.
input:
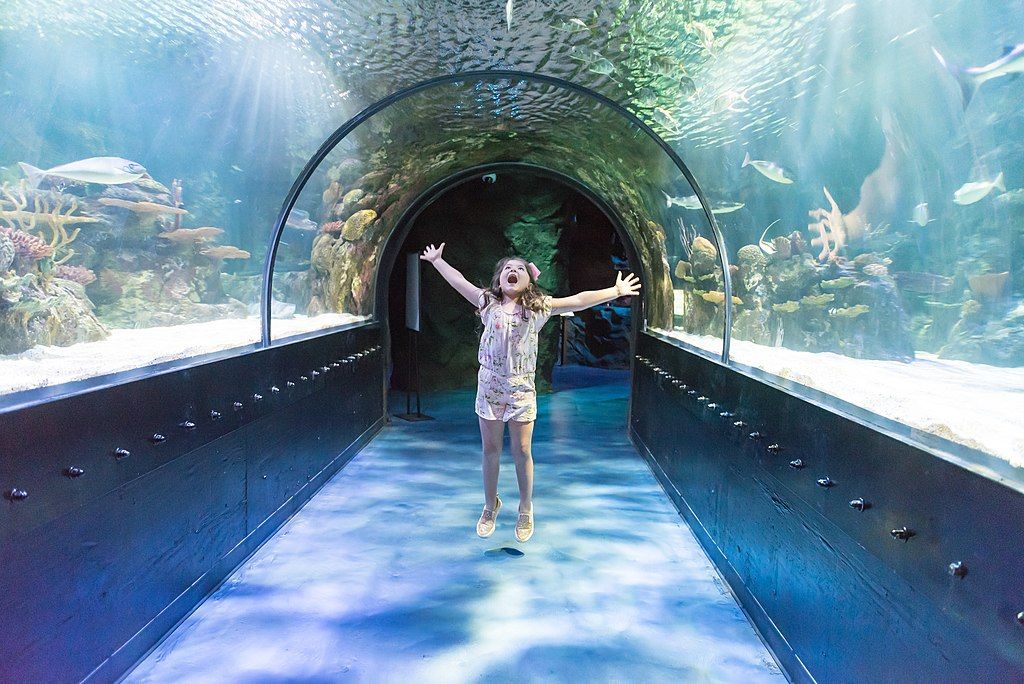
(381, 577)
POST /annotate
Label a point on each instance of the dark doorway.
(481, 220)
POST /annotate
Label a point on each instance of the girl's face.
(514, 278)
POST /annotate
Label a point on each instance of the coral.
(333, 226)
(7, 252)
(990, 286)
(817, 300)
(840, 283)
(357, 224)
(27, 247)
(705, 256)
(77, 274)
(717, 297)
(786, 307)
(61, 315)
(53, 210)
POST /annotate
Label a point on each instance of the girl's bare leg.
(521, 443)
(492, 433)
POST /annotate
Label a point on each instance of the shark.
(971, 78)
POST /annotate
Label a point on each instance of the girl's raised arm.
(465, 288)
(630, 285)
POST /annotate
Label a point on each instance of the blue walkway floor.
(381, 577)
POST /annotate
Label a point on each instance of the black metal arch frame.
(342, 132)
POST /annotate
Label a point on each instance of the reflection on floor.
(381, 576)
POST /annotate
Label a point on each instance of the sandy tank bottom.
(972, 404)
(128, 349)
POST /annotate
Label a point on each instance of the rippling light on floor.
(381, 576)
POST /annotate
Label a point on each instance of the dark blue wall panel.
(767, 479)
(96, 568)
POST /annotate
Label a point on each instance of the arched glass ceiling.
(363, 186)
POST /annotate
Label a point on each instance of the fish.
(298, 219)
(921, 215)
(769, 170)
(225, 252)
(727, 101)
(508, 14)
(236, 167)
(602, 66)
(707, 36)
(103, 170)
(665, 118)
(572, 25)
(727, 207)
(691, 202)
(767, 247)
(969, 193)
(142, 207)
(971, 78)
(238, 201)
(191, 234)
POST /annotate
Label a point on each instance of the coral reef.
(31, 316)
(106, 256)
(788, 298)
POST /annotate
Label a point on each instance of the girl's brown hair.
(533, 296)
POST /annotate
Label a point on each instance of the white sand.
(127, 349)
(972, 404)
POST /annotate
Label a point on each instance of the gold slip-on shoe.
(524, 526)
(485, 525)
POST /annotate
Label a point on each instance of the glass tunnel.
(796, 454)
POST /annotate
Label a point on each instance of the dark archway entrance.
(530, 211)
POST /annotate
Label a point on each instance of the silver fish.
(921, 215)
(691, 202)
(602, 66)
(727, 207)
(104, 170)
(769, 170)
(971, 78)
(508, 15)
(969, 193)
(298, 219)
(665, 118)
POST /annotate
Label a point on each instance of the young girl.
(513, 310)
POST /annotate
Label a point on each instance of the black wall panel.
(767, 481)
(96, 568)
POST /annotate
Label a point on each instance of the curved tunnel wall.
(914, 291)
(510, 100)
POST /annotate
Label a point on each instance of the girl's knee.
(522, 455)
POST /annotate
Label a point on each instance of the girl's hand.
(432, 253)
(628, 286)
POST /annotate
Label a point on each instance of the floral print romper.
(505, 387)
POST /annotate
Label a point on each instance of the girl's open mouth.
(512, 279)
